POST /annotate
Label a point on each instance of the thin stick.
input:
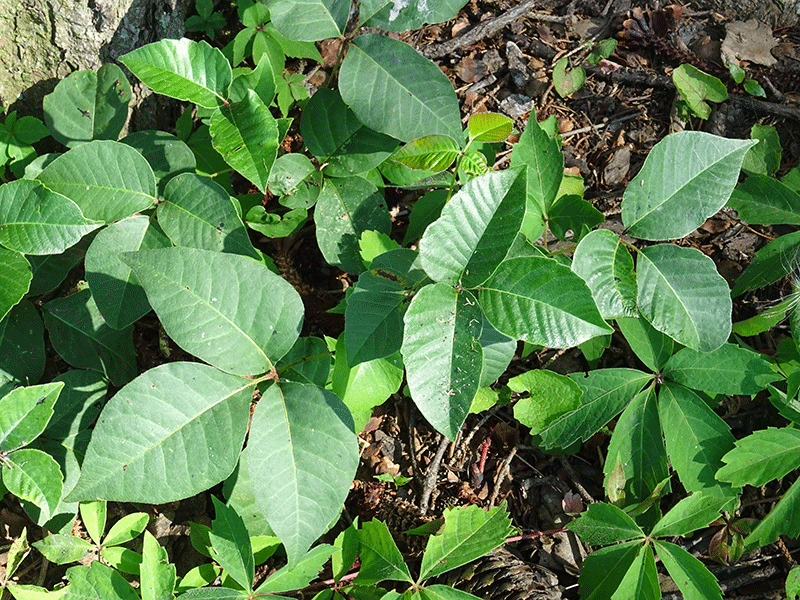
(574, 477)
(433, 474)
(501, 475)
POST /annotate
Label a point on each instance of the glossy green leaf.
(475, 230)
(782, 520)
(246, 135)
(538, 300)
(94, 515)
(88, 106)
(567, 80)
(682, 294)
(302, 461)
(606, 392)
(238, 489)
(34, 476)
(262, 80)
(764, 455)
(107, 180)
(33, 592)
(409, 97)
(36, 220)
(728, 370)
(672, 196)
(489, 127)
(182, 69)
(230, 543)
(649, 345)
(603, 570)
(81, 336)
(22, 351)
(308, 361)
(199, 298)
(690, 514)
(404, 16)
(345, 209)
(127, 528)
(167, 155)
(172, 432)
(764, 200)
(429, 153)
(15, 279)
(571, 216)
(300, 575)
(696, 438)
(769, 263)
(157, 575)
(97, 581)
(115, 288)
(469, 532)
(380, 558)
(690, 575)
(641, 580)
(695, 87)
(604, 524)
(63, 549)
(442, 354)
(549, 396)
(310, 20)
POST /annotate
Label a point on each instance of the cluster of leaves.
(154, 221)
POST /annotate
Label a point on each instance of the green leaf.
(768, 264)
(157, 574)
(682, 294)
(603, 570)
(115, 288)
(34, 476)
(429, 153)
(695, 87)
(262, 80)
(15, 279)
(32, 592)
(35, 220)
(793, 584)
(651, 346)
(310, 20)
(538, 300)
(230, 544)
(604, 524)
(63, 549)
(302, 461)
(51, 270)
(605, 393)
(81, 337)
(426, 210)
(300, 575)
(475, 230)
(764, 200)
(442, 354)
(638, 446)
(409, 97)
(107, 180)
(690, 575)
(752, 87)
(765, 157)
(172, 432)
(182, 69)
(22, 351)
(696, 438)
(288, 173)
(93, 516)
(784, 519)
(728, 370)
(380, 558)
(469, 532)
(571, 215)
(566, 81)
(672, 196)
(690, 514)
(167, 155)
(127, 528)
(78, 405)
(550, 396)
(498, 350)
(246, 135)
(198, 297)
(345, 209)
(308, 361)
(88, 106)
(764, 455)
(404, 16)
(641, 579)
(238, 489)
(97, 581)
(489, 127)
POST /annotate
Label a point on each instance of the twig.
(432, 476)
(501, 475)
(574, 477)
(487, 28)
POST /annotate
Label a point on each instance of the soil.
(609, 125)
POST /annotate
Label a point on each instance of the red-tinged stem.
(484, 454)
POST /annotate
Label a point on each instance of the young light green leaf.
(604, 524)
(603, 570)
(651, 346)
(302, 461)
(36, 220)
(97, 581)
(122, 559)
(62, 549)
(764, 455)
(672, 196)
(34, 476)
(24, 414)
(550, 396)
(442, 355)
(764, 200)
(33, 592)
(404, 16)
(429, 153)
(88, 106)
(409, 97)
(182, 69)
(784, 519)
(469, 532)
(230, 544)
(489, 127)
(728, 370)
(197, 296)
(299, 576)
(690, 575)
(538, 300)
(380, 558)
(475, 230)
(246, 135)
(682, 294)
(695, 87)
(172, 432)
(696, 438)
(93, 516)
(157, 574)
(692, 513)
(127, 528)
(115, 288)
(641, 579)
(605, 264)
(107, 180)
(81, 337)
(310, 20)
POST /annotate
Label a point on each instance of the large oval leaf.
(310, 20)
(687, 177)
(605, 264)
(22, 351)
(108, 180)
(476, 229)
(396, 15)
(395, 90)
(24, 413)
(182, 69)
(302, 454)
(442, 354)
(172, 432)
(35, 220)
(228, 310)
(15, 279)
(34, 476)
(682, 295)
(539, 300)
